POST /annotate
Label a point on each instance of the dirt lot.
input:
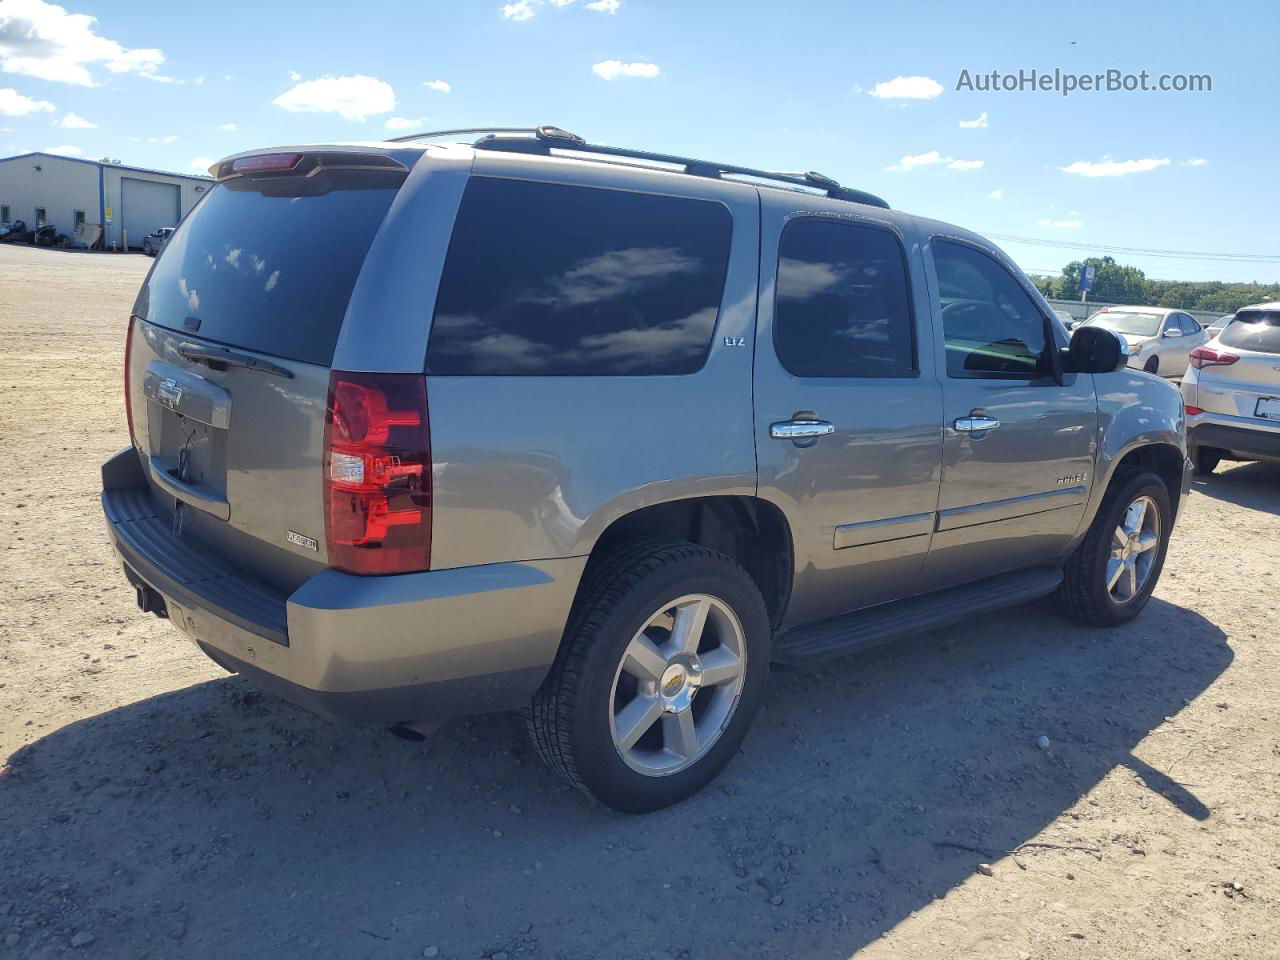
(159, 808)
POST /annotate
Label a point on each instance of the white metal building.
(42, 188)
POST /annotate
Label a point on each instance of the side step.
(888, 621)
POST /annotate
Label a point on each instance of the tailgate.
(230, 349)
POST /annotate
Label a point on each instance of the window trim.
(914, 372)
(1052, 347)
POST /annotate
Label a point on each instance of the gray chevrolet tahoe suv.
(437, 427)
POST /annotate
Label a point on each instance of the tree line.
(1116, 283)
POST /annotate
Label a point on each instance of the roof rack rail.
(544, 139)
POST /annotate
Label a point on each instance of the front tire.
(661, 671)
(1110, 577)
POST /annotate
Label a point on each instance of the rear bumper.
(1246, 437)
(419, 646)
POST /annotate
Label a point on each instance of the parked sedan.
(153, 243)
(1232, 391)
(1160, 339)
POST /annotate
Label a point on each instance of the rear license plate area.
(1268, 408)
(192, 452)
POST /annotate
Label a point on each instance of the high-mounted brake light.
(377, 473)
(128, 400)
(266, 161)
(1202, 357)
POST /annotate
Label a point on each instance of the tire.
(575, 717)
(148, 250)
(1084, 593)
(1205, 460)
(1152, 366)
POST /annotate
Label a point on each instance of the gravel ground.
(151, 806)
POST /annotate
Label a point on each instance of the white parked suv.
(1232, 391)
(1160, 339)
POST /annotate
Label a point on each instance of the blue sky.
(806, 85)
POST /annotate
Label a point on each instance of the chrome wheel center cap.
(680, 681)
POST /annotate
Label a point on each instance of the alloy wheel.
(678, 685)
(1133, 550)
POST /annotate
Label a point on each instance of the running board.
(888, 621)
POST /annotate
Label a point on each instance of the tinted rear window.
(550, 280)
(269, 265)
(1257, 330)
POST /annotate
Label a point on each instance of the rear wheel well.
(750, 530)
(1162, 459)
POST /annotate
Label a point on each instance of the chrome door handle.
(976, 424)
(800, 429)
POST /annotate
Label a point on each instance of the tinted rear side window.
(842, 309)
(269, 266)
(550, 280)
(1257, 330)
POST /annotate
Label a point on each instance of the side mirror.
(1173, 332)
(1096, 350)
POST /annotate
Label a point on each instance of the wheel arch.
(1165, 460)
(749, 529)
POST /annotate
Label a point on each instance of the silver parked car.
(1160, 339)
(1232, 391)
(153, 243)
(1219, 325)
(601, 433)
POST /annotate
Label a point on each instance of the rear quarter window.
(269, 264)
(1257, 330)
(547, 279)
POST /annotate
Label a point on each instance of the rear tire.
(1093, 590)
(1205, 460)
(638, 744)
(1152, 366)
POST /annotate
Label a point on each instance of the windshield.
(269, 265)
(1256, 330)
(1134, 324)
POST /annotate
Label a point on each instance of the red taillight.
(1192, 411)
(128, 400)
(1202, 357)
(377, 473)
(266, 161)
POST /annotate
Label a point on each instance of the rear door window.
(1256, 330)
(843, 308)
(268, 264)
(545, 279)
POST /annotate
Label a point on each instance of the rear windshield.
(268, 265)
(1257, 330)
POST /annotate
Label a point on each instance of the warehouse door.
(146, 206)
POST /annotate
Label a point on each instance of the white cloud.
(520, 10)
(561, 3)
(605, 6)
(1193, 162)
(1063, 224)
(406, 123)
(201, 163)
(352, 98)
(73, 121)
(39, 39)
(171, 138)
(227, 126)
(1106, 167)
(980, 123)
(199, 81)
(294, 76)
(440, 86)
(14, 104)
(66, 150)
(934, 158)
(907, 88)
(997, 194)
(608, 69)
